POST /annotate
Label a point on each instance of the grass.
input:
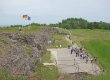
(100, 49)
(46, 72)
(43, 72)
(31, 29)
(3, 45)
(47, 57)
(9, 29)
(26, 30)
(79, 35)
(5, 75)
(97, 43)
(59, 40)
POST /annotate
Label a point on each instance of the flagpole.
(27, 18)
(29, 23)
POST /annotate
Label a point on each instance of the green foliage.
(79, 23)
(101, 50)
(5, 75)
(9, 29)
(37, 24)
(53, 25)
(79, 35)
(46, 72)
(97, 43)
(58, 40)
(47, 57)
(73, 23)
(34, 27)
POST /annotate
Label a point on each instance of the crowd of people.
(80, 52)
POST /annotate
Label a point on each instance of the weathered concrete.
(68, 63)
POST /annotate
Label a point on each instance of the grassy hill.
(42, 72)
(97, 43)
(28, 29)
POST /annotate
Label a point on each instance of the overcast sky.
(52, 11)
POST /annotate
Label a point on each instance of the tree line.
(79, 23)
(73, 23)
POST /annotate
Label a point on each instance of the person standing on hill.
(69, 37)
(81, 50)
(19, 29)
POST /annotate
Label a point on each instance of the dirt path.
(69, 63)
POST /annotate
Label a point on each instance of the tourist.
(69, 37)
(71, 50)
(81, 54)
(86, 60)
(81, 50)
(91, 60)
(76, 54)
(19, 29)
(86, 56)
(72, 43)
(74, 49)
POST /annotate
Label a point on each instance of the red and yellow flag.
(25, 17)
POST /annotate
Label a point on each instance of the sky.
(53, 11)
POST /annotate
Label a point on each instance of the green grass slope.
(97, 43)
(87, 35)
(59, 40)
(100, 49)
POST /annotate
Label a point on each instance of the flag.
(29, 18)
(26, 17)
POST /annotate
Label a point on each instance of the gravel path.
(69, 63)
